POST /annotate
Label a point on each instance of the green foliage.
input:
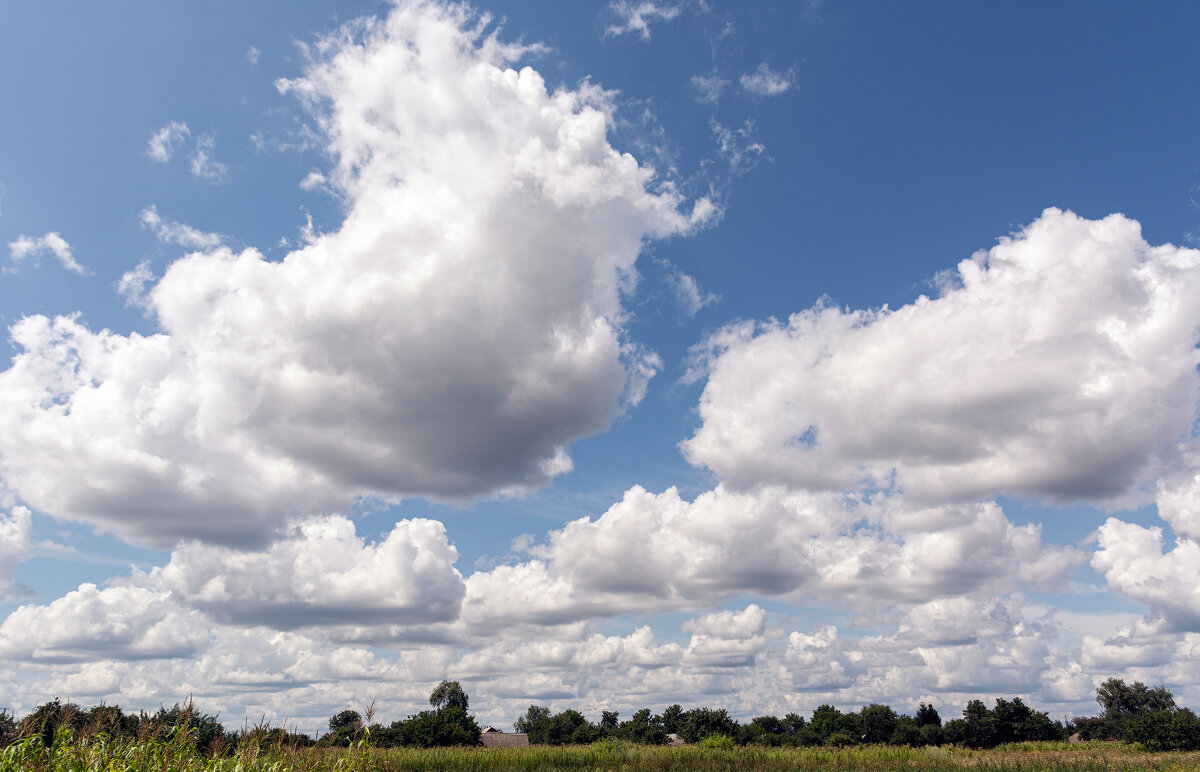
(449, 694)
(702, 722)
(878, 722)
(1120, 700)
(717, 742)
(839, 740)
(1165, 730)
(828, 721)
(610, 719)
(672, 719)
(643, 728)
(436, 728)
(927, 715)
(535, 723)
(907, 732)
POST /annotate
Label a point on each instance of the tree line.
(1129, 712)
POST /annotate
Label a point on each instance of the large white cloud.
(323, 573)
(1062, 362)
(122, 622)
(450, 339)
(1132, 560)
(660, 551)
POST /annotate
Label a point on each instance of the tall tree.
(449, 694)
(1120, 700)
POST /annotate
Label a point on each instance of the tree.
(702, 722)
(644, 728)
(1169, 729)
(927, 715)
(449, 725)
(449, 694)
(672, 719)
(609, 720)
(1119, 700)
(976, 729)
(878, 723)
(534, 723)
(1122, 702)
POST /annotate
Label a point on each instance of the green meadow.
(101, 754)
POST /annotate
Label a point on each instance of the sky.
(598, 355)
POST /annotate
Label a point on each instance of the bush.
(715, 742)
(839, 740)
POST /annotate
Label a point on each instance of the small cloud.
(635, 17)
(252, 54)
(132, 285)
(708, 88)
(164, 142)
(313, 180)
(203, 166)
(688, 294)
(765, 81)
(175, 232)
(26, 247)
(739, 147)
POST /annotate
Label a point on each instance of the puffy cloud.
(1178, 497)
(14, 545)
(450, 339)
(1062, 362)
(164, 142)
(123, 622)
(27, 247)
(726, 639)
(175, 232)
(659, 551)
(765, 81)
(201, 163)
(320, 573)
(634, 16)
(1132, 560)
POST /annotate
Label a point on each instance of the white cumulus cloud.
(460, 328)
(323, 573)
(1062, 362)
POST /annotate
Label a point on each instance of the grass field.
(98, 754)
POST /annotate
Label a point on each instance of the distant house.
(491, 737)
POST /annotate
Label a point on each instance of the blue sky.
(599, 355)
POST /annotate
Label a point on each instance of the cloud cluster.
(89, 624)
(450, 339)
(659, 551)
(322, 573)
(1061, 363)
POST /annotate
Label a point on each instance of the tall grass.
(177, 753)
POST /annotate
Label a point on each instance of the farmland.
(178, 753)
